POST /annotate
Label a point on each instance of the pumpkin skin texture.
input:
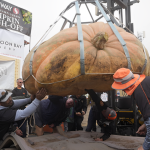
(58, 59)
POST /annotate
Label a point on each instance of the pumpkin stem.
(99, 40)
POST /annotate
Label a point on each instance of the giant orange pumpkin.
(58, 59)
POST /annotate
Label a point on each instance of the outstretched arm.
(20, 114)
(99, 103)
(20, 102)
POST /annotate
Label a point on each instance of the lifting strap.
(123, 43)
(80, 38)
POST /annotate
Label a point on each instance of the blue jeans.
(146, 144)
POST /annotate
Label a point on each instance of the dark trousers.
(77, 122)
(71, 126)
(97, 116)
(91, 122)
(23, 127)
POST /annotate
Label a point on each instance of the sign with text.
(15, 18)
(7, 74)
(11, 44)
(104, 97)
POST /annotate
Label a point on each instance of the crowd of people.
(71, 109)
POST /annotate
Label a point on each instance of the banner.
(15, 18)
(7, 74)
(11, 44)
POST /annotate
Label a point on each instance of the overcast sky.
(45, 12)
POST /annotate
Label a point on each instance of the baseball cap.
(4, 95)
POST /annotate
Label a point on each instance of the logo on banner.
(11, 44)
(15, 18)
(16, 11)
(5, 6)
(3, 71)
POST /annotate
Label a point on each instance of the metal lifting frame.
(80, 35)
(115, 32)
(102, 9)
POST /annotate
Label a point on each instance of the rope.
(27, 125)
(49, 29)
(21, 124)
(27, 129)
(32, 116)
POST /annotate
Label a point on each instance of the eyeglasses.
(20, 82)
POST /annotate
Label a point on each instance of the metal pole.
(121, 17)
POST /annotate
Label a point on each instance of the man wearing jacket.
(52, 111)
(103, 114)
(10, 113)
(139, 87)
(79, 111)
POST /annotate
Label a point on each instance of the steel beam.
(121, 16)
(116, 8)
(64, 24)
(120, 3)
(110, 5)
(128, 14)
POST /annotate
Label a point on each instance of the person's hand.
(32, 97)
(52, 125)
(83, 113)
(78, 114)
(41, 94)
(140, 148)
(142, 130)
(98, 139)
(19, 132)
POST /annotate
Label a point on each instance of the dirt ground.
(84, 142)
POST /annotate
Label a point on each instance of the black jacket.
(53, 110)
(110, 128)
(142, 97)
(7, 116)
(81, 104)
(97, 100)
